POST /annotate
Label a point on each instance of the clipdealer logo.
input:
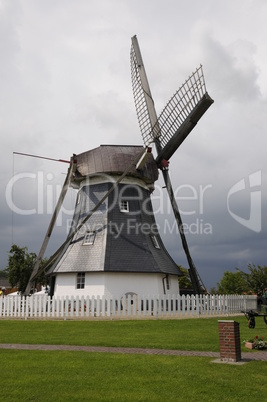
(195, 199)
(254, 221)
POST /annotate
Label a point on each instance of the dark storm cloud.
(66, 88)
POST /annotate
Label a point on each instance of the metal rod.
(41, 157)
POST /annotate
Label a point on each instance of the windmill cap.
(114, 160)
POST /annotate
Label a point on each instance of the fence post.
(140, 303)
(93, 306)
(87, 305)
(229, 335)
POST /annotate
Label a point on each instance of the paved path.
(259, 355)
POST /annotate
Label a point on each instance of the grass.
(80, 376)
(77, 376)
(185, 334)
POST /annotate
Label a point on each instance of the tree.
(3, 274)
(256, 279)
(184, 281)
(233, 283)
(20, 267)
(252, 282)
(213, 291)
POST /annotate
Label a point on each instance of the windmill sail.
(144, 104)
(182, 113)
(178, 117)
(176, 121)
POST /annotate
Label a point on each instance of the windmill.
(100, 242)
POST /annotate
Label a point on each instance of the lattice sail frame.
(174, 114)
(140, 101)
(179, 107)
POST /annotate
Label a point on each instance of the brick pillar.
(229, 335)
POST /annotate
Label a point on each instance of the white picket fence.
(131, 307)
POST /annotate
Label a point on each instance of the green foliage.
(240, 282)
(258, 342)
(213, 291)
(233, 283)
(256, 279)
(3, 274)
(20, 267)
(184, 281)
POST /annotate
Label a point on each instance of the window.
(124, 206)
(167, 283)
(155, 241)
(89, 238)
(80, 280)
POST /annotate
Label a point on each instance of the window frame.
(80, 280)
(89, 235)
(167, 282)
(78, 198)
(124, 206)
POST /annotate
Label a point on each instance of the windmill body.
(118, 250)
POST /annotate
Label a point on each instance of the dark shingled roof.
(129, 250)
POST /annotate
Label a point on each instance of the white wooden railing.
(134, 307)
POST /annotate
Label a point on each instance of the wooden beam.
(50, 229)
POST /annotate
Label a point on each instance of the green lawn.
(184, 334)
(78, 376)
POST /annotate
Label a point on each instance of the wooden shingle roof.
(115, 159)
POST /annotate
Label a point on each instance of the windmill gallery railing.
(126, 307)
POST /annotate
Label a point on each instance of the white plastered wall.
(115, 284)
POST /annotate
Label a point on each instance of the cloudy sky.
(65, 88)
